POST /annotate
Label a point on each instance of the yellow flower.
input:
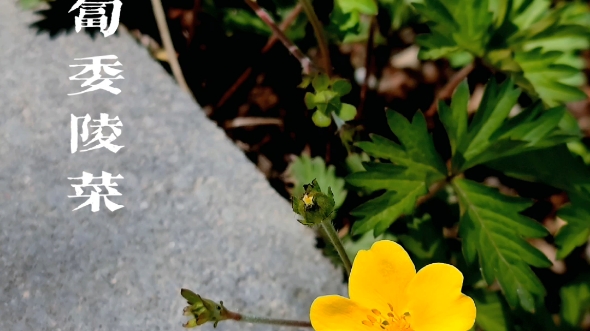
(387, 294)
(308, 200)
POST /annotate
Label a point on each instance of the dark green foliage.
(494, 235)
(414, 166)
(491, 134)
(531, 145)
(326, 99)
(577, 230)
(575, 298)
(533, 42)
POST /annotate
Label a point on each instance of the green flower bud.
(314, 205)
(202, 310)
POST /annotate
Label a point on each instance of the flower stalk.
(317, 209)
(264, 320)
(331, 233)
(204, 310)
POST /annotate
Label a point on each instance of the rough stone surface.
(197, 213)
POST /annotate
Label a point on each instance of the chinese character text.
(95, 195)
(96, 67)
(92, 14)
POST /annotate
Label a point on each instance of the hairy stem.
(306, 64)
(263, 320)
(319, 34)
(447, 90)
(269, 44)
(333, 236)
(168, 46)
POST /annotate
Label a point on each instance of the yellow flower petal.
(336, 313)
(436, 302)
(379, 277)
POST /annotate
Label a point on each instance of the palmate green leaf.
(416, 149)
(524, 13)
(415, 165)
(563, 38)
(494, 232)
(404, 186)
(543, 48)
(579, 149)
(513, 36)
(575, 300)
(577, 230)
(399, 12)
(466, 24)
(454, 119)
(305, 169)
(492, 135)
(575, 12)
(543, 41)
(554, 83)
(345, 19)
(535, 24)
(555, 166)
(436, 47)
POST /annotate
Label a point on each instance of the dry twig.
(252, 121)
(306, 64)
(269, 44)
(167, 41)
(447, 91)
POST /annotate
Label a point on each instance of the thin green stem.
(333, 236)
(319, 34)
(263, 320)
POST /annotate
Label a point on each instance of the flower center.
(307, 200)
(389, 321)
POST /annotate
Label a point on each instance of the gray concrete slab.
(196, 214)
